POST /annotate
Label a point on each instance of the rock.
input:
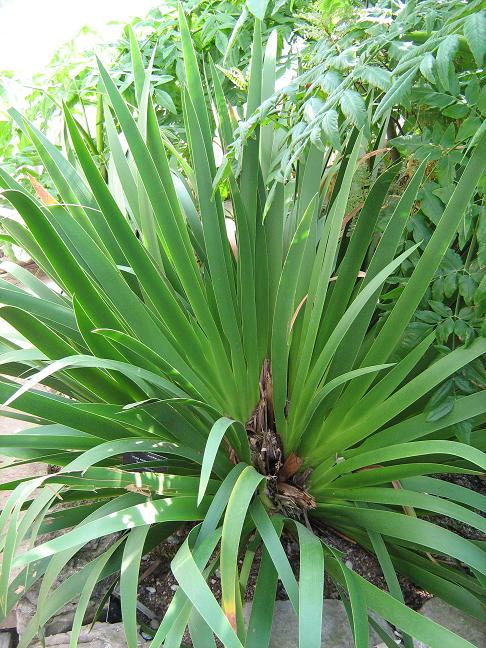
(101, 635)
(462, 624)
(335, 632)
(10, 622)
(6, 640)
(62, 621)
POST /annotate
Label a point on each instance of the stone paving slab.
(462, 624)
(10, 622)
(102, 635)
(336, 632)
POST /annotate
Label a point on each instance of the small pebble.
(154, 624)
(213, 581)
(174, 588)
(151, 590)
(349, 564)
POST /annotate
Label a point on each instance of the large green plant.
(256, 372)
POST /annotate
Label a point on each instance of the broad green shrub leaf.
(353, 107)
(427, 67)
(445, 54)
(395, 94)
(331, 80)
(475, 34)
(376, 76)
(330, 128)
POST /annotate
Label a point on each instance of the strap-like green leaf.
(236, 512)
(215, 437)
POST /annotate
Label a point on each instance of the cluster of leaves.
(260, 377)
(69, 78)
(411, 76)
(423, 54)
(221, 31)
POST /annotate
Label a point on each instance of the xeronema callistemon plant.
(259, 375)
